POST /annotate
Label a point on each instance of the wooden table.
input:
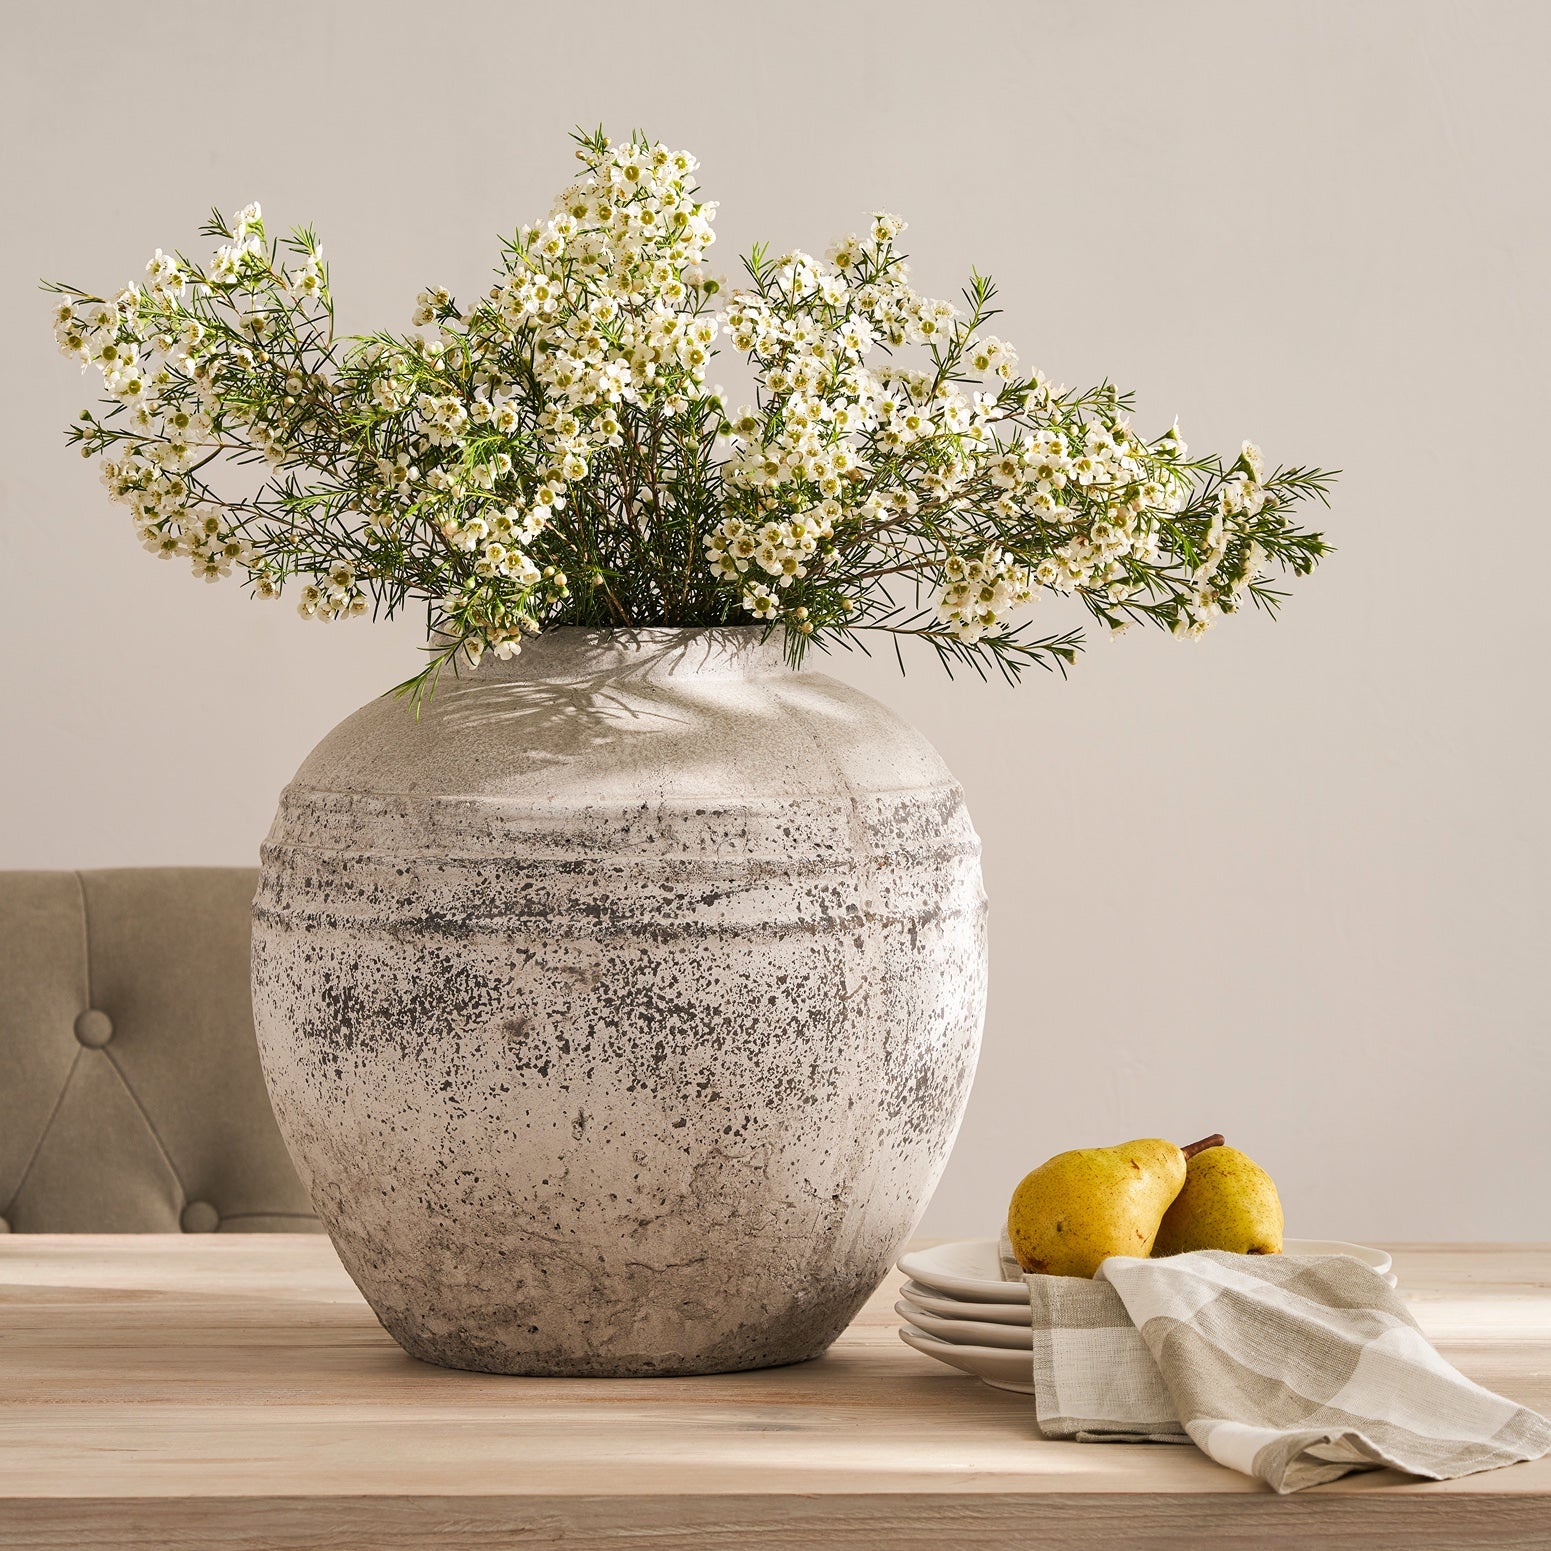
(234, 1391)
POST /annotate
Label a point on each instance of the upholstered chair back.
(131, 1099)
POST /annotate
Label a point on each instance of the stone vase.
(620, 1011)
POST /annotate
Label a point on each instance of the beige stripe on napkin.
(1094, 1376)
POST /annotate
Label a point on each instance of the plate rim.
(1013, 1289)
(910, 1313)
(962, 1308)
(998, 1354)
(977, 1290)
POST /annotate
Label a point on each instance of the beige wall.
(1289, 882)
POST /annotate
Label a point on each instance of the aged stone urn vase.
(620, 1011)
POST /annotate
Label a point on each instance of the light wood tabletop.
(235, 1391)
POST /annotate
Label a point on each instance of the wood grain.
(213, 1392)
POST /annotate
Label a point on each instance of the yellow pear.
(1227, 1202)
(1081, 1207)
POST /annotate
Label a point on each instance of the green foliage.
(552, 454)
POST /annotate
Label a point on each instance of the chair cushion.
(131, 1098)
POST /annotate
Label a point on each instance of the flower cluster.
(981, 595)
(780, 550)
(553, 452)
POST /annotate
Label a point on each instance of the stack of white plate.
(960, 1308)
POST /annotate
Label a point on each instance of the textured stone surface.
(620, 1012)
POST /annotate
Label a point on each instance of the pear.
(1227, 1202)
(1081, 1207)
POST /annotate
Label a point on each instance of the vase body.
(620, 1011)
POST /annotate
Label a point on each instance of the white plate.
(966, 1269)
(969, 1269)
(968, 1332)
(999, 1368)
(961, 1309)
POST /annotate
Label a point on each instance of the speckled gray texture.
(620, 1012)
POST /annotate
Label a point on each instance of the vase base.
(467, 1358)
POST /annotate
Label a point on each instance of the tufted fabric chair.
(131, 1099)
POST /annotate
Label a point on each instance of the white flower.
(761, 602)
(306, 281)
(163, 277)
(885, 227)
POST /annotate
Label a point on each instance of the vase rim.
(654, 651)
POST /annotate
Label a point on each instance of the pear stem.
(1214, 1140)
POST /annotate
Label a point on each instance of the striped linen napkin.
(1293, 1368)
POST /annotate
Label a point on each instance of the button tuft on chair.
(94, 1028)
(200, 1217)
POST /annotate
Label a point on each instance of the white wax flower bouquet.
(551, 453)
